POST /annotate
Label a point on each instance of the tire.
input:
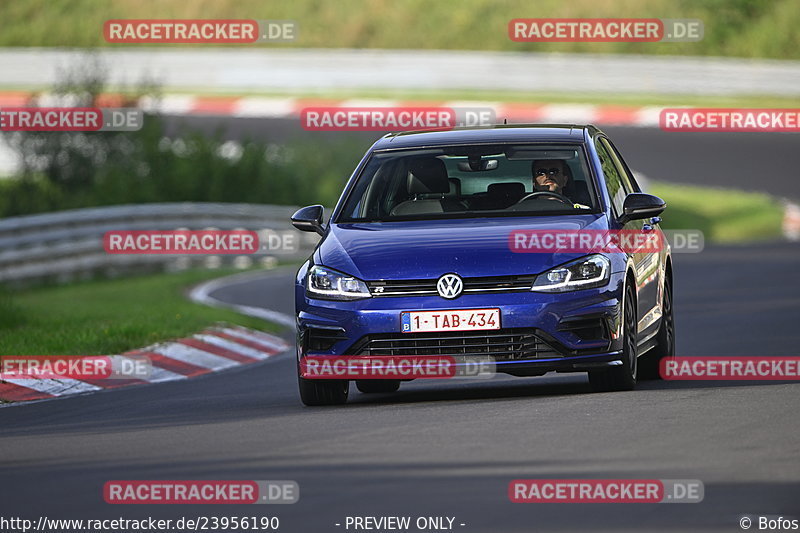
(373, 386)
(665, 339)
(315, 392)
(621, 377)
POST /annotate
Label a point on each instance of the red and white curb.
(212, 350)
(265, 107)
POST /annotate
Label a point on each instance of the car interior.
(417, 185)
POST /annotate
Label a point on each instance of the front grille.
(502, 344)
(427, 287)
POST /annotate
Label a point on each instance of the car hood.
(428, 249)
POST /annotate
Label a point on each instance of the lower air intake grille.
(504, 344)
(322, 339)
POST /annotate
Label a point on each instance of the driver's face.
(549, 176)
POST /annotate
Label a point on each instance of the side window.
(627, 177)
(611, 174)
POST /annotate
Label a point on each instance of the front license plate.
(455, 320)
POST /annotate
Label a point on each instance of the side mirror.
(639, 205)
(309, 219)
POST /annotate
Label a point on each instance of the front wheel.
(621, 377)
(665, 339)
(314, 392)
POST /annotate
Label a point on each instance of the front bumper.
(579, 329)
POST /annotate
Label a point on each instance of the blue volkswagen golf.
(425, 254)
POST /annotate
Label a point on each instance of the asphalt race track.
(451, 448)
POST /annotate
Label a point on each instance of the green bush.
(67, 170)
(73, 170)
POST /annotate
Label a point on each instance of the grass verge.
(109, 316)
(746, 28)
(724, 215)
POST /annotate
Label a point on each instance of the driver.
(550, 175)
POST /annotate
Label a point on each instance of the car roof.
(501, 133)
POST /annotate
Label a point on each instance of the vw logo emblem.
(450, 286)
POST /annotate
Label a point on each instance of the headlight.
(328, 284)
(585, 273)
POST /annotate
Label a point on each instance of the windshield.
(471, 181)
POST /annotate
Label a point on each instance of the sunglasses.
(548, 171)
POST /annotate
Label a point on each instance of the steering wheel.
(557, 196)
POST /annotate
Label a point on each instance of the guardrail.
(68, 245)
